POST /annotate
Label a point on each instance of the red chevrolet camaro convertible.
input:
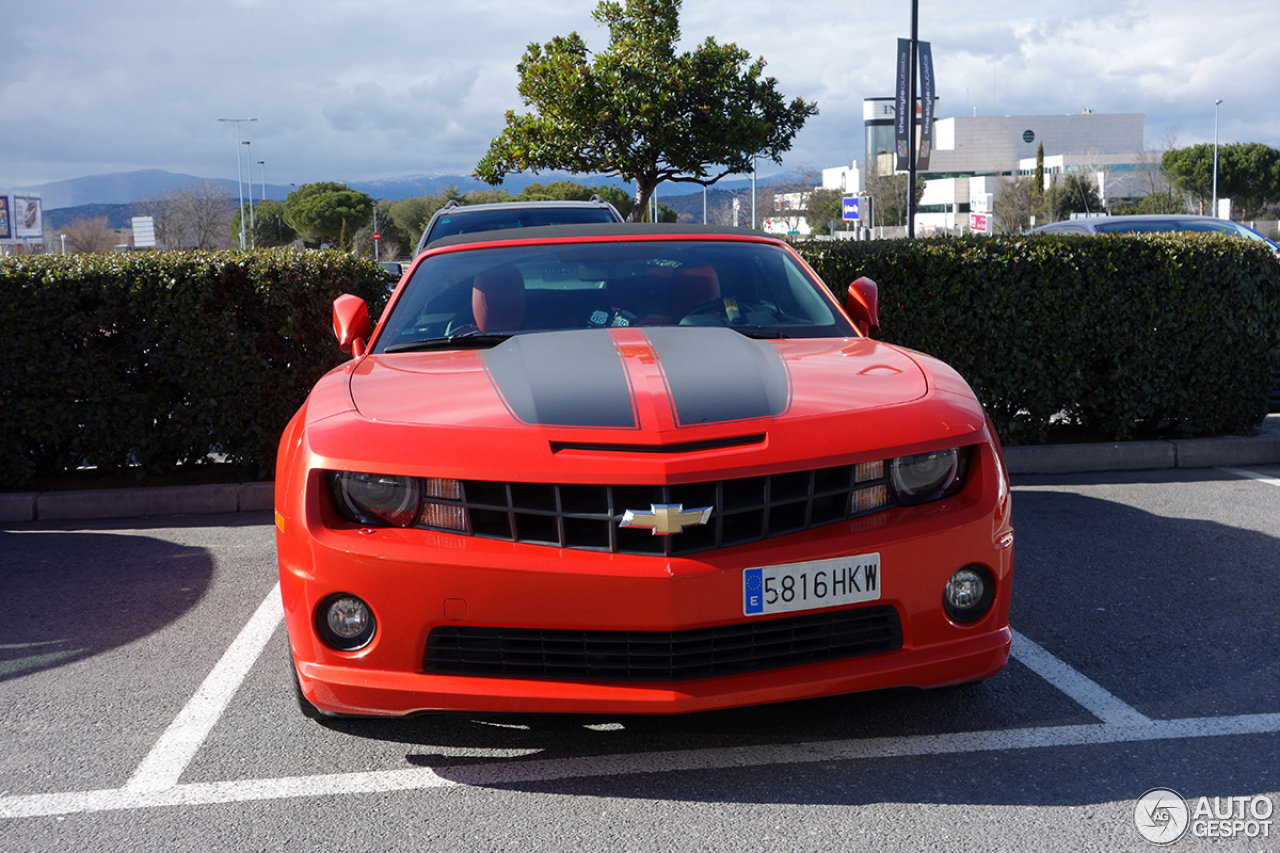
(626, 469)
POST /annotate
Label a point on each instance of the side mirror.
(862, 303)
(351, 323)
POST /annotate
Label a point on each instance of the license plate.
(808, 586)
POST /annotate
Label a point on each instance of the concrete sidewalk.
(1263, 448)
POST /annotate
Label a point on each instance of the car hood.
(639, 405)
(660, 379)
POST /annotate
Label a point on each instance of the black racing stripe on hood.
(563, 379)
(715, 374)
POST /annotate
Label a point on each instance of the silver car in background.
(1153, 223)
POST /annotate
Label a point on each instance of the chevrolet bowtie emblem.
(666, 519)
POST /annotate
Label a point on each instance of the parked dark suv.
(456, 218)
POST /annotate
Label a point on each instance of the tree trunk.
(644, 191)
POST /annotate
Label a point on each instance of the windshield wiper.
(758, 333)
(474, 339)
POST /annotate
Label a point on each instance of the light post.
(249, 157)
(239, 174)
(753, 191)
(262, 165)
(1216, 104)
(912, 144)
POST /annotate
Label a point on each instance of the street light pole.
(262, 165)
(1216, 104)
(911, 120)
(239, 173)
(249, 156)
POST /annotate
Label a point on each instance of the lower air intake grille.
(658, 655)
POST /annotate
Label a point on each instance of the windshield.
(757, 289)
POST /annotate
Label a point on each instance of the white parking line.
(155, 782)
(1086, 692)
(1253, 475)
(163, 766)
(500, 774)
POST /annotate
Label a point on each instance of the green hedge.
(149, 361)
(1084, 338)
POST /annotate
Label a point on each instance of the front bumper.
(415, 580)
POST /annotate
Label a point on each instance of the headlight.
(928, 476)
(376, 498)
(386, 499)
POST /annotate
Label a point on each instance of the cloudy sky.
(368, 89)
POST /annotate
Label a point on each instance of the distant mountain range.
(124, 188)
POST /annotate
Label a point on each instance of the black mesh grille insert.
(662, 656)
(744, 510)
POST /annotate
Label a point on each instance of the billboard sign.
(144, 232)
(6, 230)
(980, 223)
(28, 217)
(851, 208)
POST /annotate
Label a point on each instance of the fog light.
(346, 622)
(968, 593)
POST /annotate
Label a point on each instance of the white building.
(973, 156)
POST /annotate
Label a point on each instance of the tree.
(570, 191)
(411, 215)
(391, 241)
(1248, 175)
(640, 110)
(90, 235)
(1076, 193)
(1190, 172)
(194, 216)
(889, 196)
(1038, 187)
(269, 226)
(1015, 204)
(825, 207)
(328, 212)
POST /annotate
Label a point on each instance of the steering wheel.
(458, 325)
(732, 311)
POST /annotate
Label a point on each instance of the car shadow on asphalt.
(74, 594)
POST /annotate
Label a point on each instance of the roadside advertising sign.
(980, 223)
(902, 120)
(926, 104)
(851, 208)
(28, 221)
(5, 231)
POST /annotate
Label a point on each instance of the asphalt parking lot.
(145, 705)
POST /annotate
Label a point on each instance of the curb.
(1227, 451)
(136, 503)
(1262, 448)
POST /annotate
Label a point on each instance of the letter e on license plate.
(811, 585)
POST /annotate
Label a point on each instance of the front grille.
(662, 655)
(743, 510)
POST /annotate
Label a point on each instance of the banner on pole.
(904, 112)
(926, 104)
